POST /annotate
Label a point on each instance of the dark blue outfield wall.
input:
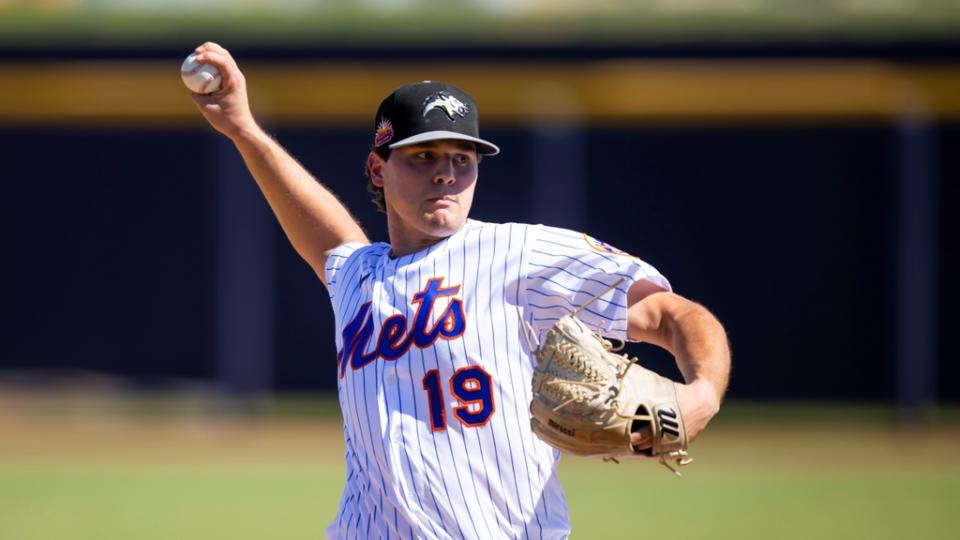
(786, 233)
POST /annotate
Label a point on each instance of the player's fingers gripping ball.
(587, 399)
(200, 78)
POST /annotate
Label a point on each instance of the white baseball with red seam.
(201, 78)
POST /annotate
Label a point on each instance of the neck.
(404, 241)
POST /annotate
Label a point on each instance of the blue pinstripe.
(579, 240)
(496, 363)
(569, 303)
(566, 308)
(433, 434)
(580, 261)
(456, 470)
(522, 412)
(464, 435)
(493, 339)
(403, 440)
(569, 273)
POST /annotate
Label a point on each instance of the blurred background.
(167, 361)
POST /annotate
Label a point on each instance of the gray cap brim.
(483, 147)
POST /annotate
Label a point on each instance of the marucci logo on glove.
(668, 422)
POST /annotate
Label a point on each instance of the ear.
(375, 165)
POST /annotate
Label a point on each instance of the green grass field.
(760, 472)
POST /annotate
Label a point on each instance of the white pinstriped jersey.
(434, 377)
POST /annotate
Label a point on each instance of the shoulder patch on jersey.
(604, 247)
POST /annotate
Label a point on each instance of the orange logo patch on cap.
(384, 133)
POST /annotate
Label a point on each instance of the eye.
(425, 155)
(463, 159)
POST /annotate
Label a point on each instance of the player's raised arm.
(695, 338)
(313, 219)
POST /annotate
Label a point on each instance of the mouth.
(443, 199)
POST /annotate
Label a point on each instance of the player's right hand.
(227, 109)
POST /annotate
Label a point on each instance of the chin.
(443, 224)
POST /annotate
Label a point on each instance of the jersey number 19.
(473, 388)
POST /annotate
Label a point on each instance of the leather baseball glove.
(587, 399)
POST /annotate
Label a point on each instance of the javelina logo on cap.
(384, 133)
(447, 103)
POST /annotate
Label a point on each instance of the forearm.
(697, 341)
(310, 215)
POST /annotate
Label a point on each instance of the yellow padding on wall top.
(149, 93)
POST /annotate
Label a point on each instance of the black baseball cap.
(428, 111)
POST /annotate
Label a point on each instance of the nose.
(444, 175)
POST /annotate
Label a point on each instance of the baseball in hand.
(201, 78)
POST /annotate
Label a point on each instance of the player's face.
(428, 190)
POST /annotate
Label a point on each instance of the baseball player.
(432, 371)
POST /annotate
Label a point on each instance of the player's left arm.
(695, 338)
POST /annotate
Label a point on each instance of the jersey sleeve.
(565, 269)
(337, 261)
